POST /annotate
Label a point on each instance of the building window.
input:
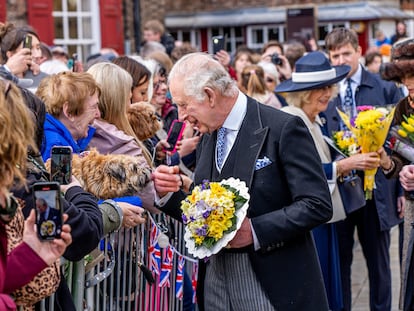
(257, 36)
(77, 27)
(192, 36)
(325, 28)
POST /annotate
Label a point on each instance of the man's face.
(201, 115)
(346, 55)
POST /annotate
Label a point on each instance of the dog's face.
(143, 120)
(111, 175)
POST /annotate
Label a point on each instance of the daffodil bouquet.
(212, 214)
(346, 142)
(370, 128)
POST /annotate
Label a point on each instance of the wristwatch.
(115, 213)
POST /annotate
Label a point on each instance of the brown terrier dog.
(109, 175)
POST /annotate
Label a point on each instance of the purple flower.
(206, 214)
(205, 184)
(185, 220)
(202, 231)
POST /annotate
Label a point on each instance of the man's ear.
(211, 96)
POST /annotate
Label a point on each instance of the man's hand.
(166, 179)
(244, 236)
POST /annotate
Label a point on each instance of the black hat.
(402, 61)
(313, 71)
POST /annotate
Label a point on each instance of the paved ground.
(360, 286)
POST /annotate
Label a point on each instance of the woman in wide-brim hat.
(309, 91)
(401, 70)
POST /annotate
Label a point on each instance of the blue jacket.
(373, 91)
(56, 134)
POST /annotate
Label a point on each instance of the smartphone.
(27, 42)
(49, 216)
(73, 60)
(174, 135)
(61, 164)
(218, 43)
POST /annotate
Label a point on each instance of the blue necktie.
(221, 147)
(348, 105)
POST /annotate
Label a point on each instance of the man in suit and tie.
(47, 213)
(374, 220)
(271, 264)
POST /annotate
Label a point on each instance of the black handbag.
(352, 193)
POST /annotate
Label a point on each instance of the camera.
(276, 59)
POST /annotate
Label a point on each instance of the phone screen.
(49, 219)
(27, 42)
(61, 164)
(174, 135)
(218, 44)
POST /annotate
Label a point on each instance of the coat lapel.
(252, 136)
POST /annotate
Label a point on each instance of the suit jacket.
(373, 91)
(288, 198)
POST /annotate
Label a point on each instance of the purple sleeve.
(22, 266)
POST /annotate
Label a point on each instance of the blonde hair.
(67, 87)
(252, 80)
(301, 98)
(16, 134)
(114, 99)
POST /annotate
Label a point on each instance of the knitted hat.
(402, 61)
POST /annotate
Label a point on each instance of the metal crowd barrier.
(110, 278)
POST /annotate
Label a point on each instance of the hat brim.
(290, 86)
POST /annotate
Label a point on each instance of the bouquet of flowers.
(370, 127)
(212, 214)
(346, 142)
(402, 138)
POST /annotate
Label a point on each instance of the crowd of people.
(277, 107)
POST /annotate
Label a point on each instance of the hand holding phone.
(174, 135)
(61, 164)
(49, 216)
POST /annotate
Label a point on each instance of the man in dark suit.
(374, 220)
(271, 264)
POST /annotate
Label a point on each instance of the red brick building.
(84, 26)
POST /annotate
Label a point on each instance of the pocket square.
(261, 163)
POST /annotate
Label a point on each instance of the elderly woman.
(72, 106)
(308, 95)
(114, 133)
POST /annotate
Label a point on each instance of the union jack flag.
(154, 250)
(179, 278)
(194, 278)
(166, 268)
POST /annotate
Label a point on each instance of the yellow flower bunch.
(370, 128)
(209, 212)
(346, 142)
(406, 128)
